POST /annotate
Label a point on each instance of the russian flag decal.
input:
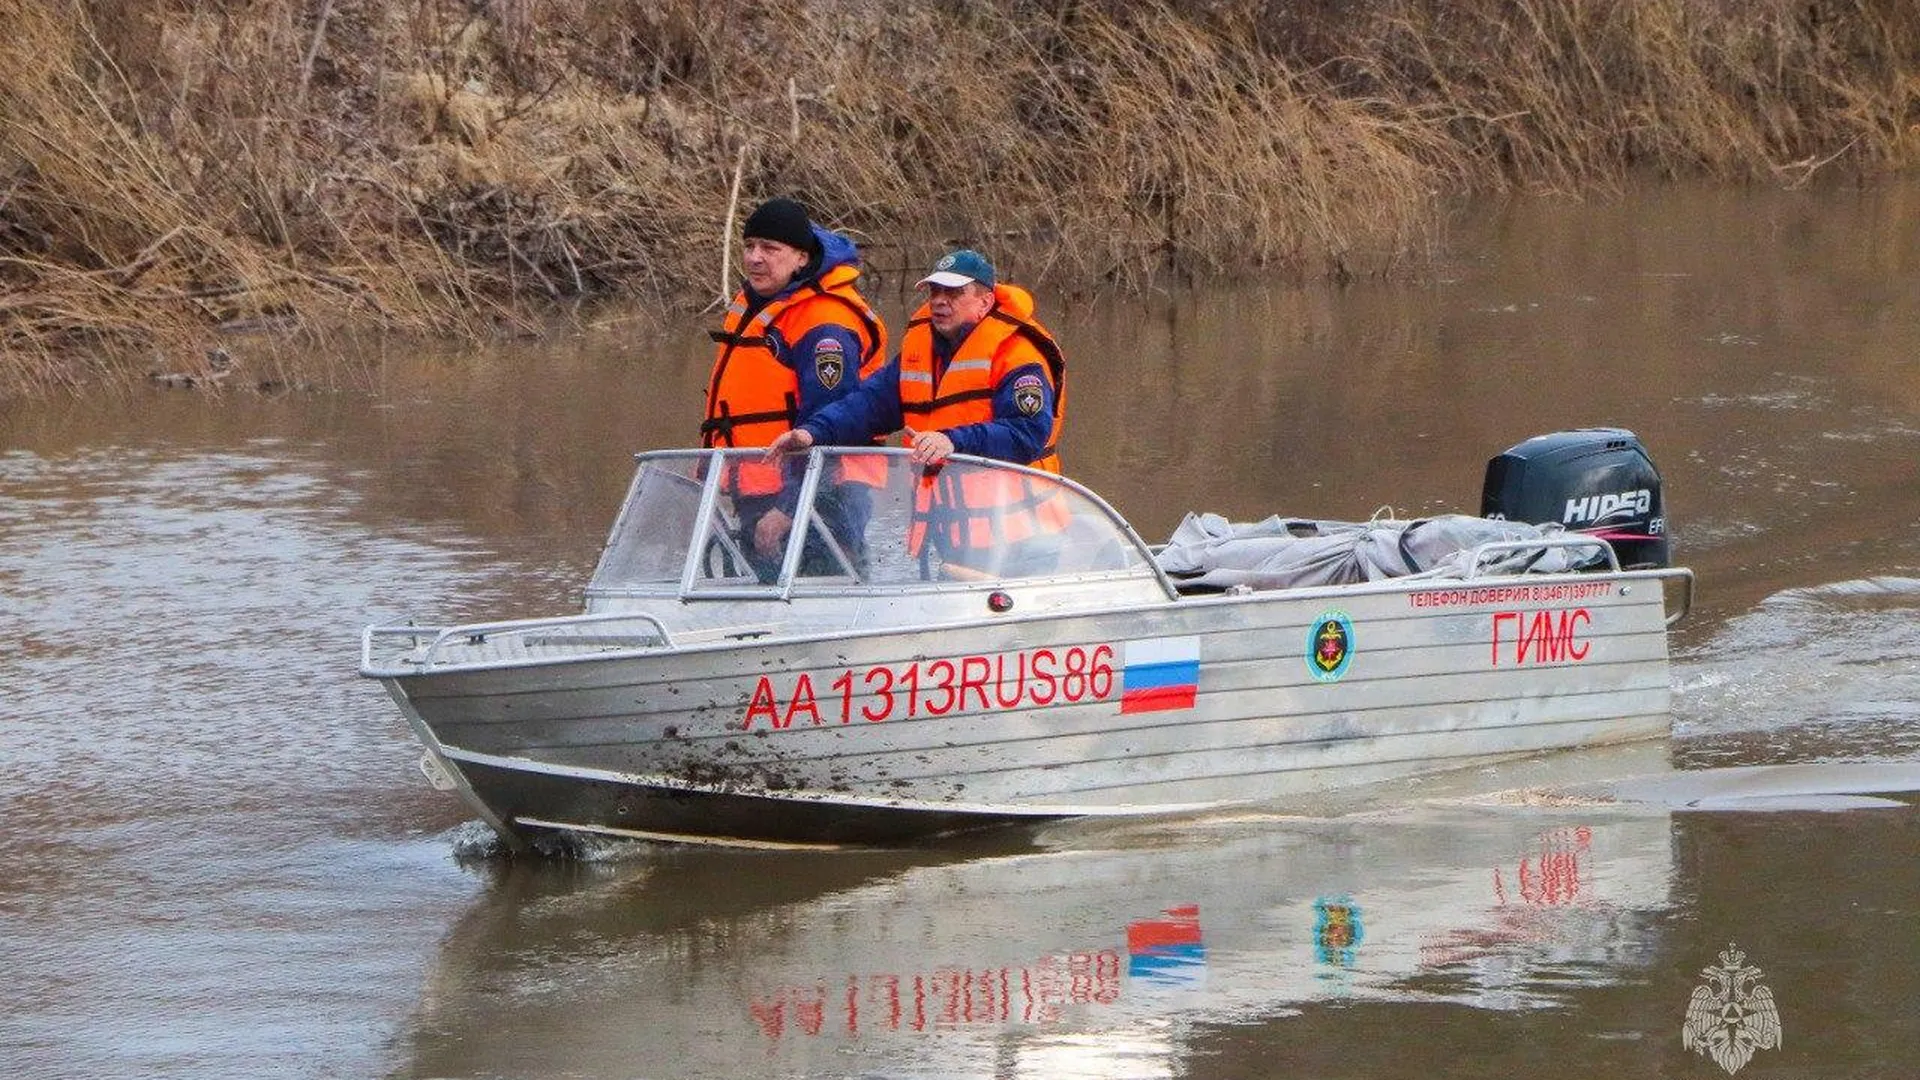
(1159, 674)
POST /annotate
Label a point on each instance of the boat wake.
(1823, 673)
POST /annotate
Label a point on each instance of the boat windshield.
(723, 521)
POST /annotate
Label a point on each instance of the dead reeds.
(172, 172)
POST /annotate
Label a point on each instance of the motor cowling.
(1599, 481)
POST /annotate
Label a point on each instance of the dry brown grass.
(173, 168)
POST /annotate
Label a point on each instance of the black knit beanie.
(783, 220)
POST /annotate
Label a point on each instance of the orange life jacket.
(752, 397)
(1006, 339)
(978, 510)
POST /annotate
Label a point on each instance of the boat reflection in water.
(1090, 953)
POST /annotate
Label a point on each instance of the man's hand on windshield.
(929, 447)
(791, 441)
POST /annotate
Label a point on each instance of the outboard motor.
(1592, 480)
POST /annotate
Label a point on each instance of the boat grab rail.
(1540, 544)
(481, 633)
(1685, 577)
(1681, 575)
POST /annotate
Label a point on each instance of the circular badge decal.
(1330, 646)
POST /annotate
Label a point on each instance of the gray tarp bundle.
(1207, 551)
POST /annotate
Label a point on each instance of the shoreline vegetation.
(181, 176)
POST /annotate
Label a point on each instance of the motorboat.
(879, 652)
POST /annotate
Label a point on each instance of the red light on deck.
(998, 602)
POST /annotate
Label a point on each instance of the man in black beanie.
(797, 337)
(783, 220)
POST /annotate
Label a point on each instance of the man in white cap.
(976, 374)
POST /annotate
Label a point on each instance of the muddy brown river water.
(219, 860)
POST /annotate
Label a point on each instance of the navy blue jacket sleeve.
(872, 409)
(1012, 435)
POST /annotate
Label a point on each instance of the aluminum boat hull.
(885, 736)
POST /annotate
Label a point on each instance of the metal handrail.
(1685, 577)
(1540, 544)
(477, 633)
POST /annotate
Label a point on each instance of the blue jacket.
(874, 409)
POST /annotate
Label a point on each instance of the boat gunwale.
(1383, 587)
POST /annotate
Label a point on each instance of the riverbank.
(173, 178)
